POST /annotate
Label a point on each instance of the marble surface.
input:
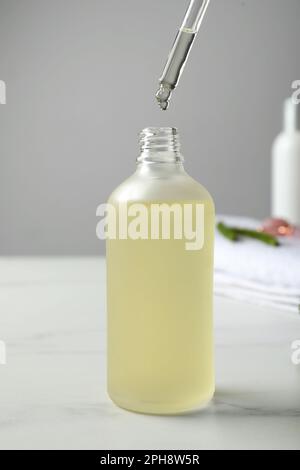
(52, 389)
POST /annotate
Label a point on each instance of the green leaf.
(227, 232)
(234, 234)
(263, 237)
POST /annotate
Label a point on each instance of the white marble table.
(52, 389)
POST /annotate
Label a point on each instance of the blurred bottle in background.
(286, 167)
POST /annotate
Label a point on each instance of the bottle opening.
(160, 144)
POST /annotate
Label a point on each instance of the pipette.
(180, 51)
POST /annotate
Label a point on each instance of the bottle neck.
(291, 116)
(160, 146)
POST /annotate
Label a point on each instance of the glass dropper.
(180, 51)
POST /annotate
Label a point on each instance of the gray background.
(81, 77)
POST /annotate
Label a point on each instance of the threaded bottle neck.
(160, 144)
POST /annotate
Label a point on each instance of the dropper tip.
(163, 96)
(163, 105)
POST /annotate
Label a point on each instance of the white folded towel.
(252, 271)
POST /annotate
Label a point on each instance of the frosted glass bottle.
(159, 294)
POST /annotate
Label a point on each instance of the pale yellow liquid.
(160, 323)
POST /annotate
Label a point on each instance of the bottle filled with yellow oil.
(160, 284)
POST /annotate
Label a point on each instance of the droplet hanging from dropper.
(163, 96)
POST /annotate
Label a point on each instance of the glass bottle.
(160, 286)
